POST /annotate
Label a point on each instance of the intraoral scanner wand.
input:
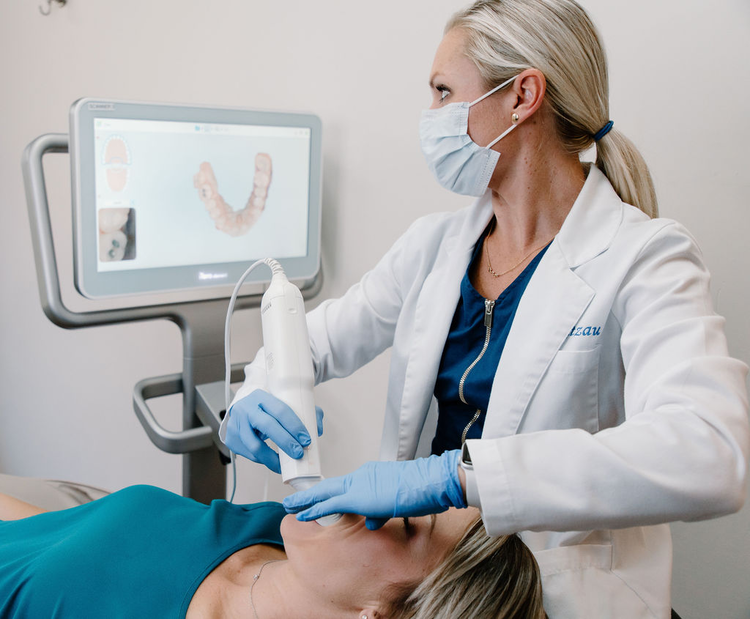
(290, 375)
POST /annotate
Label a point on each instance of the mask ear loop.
(493, 91)
(501, 136)
(483, 97)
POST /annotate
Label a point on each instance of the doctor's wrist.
(462, 481)
(468, 478)
(452, 493)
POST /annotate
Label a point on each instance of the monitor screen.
(176, 197)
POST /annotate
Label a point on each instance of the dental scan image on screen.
(181, 193)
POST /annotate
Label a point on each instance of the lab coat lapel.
(434, 313)
(552, 304)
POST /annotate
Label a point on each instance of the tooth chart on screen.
(117, 162)
(226, 219)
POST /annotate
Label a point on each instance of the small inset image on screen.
(116, 234)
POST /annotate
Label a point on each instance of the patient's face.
(353, 564)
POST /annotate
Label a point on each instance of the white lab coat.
(615, 407)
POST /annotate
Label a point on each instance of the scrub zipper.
(489, 305)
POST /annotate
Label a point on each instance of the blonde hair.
(481, 577)
(505, 37)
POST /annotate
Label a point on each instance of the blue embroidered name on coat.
(584, 331)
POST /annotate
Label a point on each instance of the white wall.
(680, 88)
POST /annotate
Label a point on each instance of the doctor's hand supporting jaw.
(564, 331)
(383, 490)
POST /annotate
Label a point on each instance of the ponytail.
(627, 171)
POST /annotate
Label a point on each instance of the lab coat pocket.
(570, 575)
(567, 395)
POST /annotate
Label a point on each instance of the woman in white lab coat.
(563, 334)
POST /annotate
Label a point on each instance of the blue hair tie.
(603, 131)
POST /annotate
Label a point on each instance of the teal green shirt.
(140, 552)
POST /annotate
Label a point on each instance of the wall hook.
(49, 6)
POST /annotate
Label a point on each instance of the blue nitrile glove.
(383, 490)
(261, 416)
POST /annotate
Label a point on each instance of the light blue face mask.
(458, 163)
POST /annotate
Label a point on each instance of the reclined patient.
(145, 552)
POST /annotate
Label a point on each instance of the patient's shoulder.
(144, 492)
(142, 498)
(15, 509)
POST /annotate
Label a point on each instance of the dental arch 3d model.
(227, 220)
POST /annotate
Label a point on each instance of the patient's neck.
(225, 592)
(279, 594)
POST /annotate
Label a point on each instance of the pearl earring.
(514, 118)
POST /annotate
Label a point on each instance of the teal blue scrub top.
(140, 552)
(464, 344)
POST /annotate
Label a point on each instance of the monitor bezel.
(94, 284)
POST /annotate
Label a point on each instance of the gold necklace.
(255, 579)
(515, 266)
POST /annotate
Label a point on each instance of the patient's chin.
(291, 528)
